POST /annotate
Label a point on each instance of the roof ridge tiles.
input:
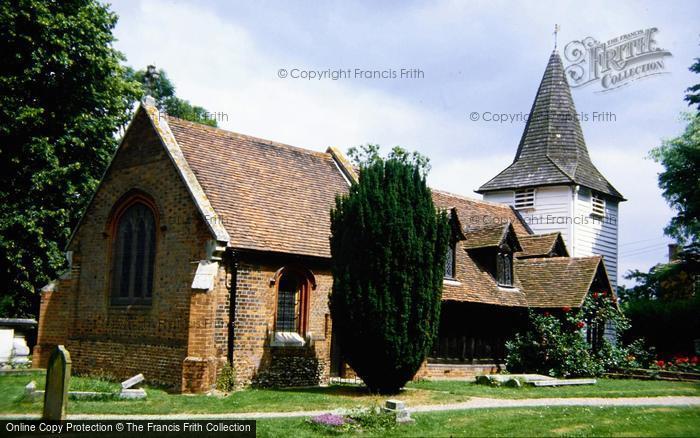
(228, 133)
(569, 259)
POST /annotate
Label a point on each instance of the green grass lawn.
(554, 421)
(12, 400)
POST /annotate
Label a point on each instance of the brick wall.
(254, 324)
(56, 301)
(154, 339)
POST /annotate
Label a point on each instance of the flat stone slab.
(22, 371)
(533, 377)
(127, 394)
(514, 380)
(523, 377)
(132, 393)
(563, 382)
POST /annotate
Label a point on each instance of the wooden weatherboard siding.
(596, 236)
(552, 210)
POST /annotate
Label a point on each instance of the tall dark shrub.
(388, 244)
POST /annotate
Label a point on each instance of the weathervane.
(556, 31)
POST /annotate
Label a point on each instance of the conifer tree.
(388, 247)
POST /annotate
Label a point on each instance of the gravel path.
(473, 403)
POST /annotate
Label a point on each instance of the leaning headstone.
(130, 382)
(57, 381)
(129, 392)
(20, 350)
(30, 390)
(6, 344)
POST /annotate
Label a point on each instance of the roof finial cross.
(556, 31)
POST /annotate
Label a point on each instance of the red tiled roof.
(275, 197)
(485, 225)
(476, 214)
(538, 282)
(270, 196)
(557, 281)
(475, 284)
(541, 245)
(491, 235)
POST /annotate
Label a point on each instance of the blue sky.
(480, 56)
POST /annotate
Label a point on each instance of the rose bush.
(678, 363)
(576, 342)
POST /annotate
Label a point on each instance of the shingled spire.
(552, 150)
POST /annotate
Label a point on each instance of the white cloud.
(217, 64)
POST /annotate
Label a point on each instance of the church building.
(203, 247)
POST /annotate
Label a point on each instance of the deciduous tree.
(63, 95)
(158, 85)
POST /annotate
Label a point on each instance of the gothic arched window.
(134, 248)
(292, 302)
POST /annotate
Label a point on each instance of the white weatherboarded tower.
(553, 183)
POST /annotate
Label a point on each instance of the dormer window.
(450, 261)
(524, 199)
(597, 206)
(504, 269)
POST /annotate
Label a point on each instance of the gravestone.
(6, 343)
(127, 388)
(397, 408)
(57, 381)
(128, 383)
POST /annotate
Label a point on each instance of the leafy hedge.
(668, 326)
